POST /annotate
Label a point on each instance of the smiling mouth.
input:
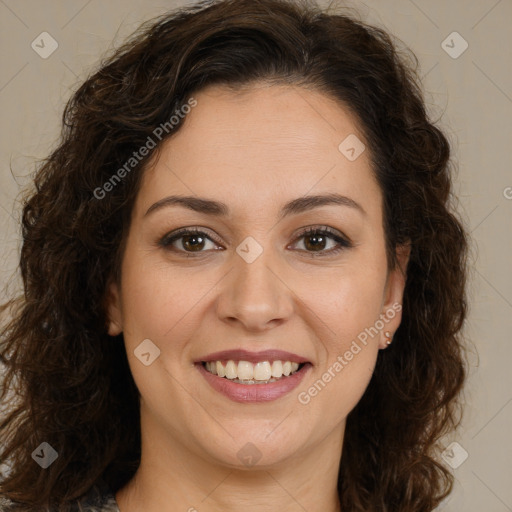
(245, 372)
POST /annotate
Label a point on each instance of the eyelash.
(343, 243)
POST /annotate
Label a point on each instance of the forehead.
(284, 118)
(261, 144)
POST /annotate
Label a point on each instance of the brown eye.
(316, 240)
(193, 242)
(187, 240)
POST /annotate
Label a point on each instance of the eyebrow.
(219, 209)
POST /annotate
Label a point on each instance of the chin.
(260, 445)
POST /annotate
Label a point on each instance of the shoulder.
(98, 499)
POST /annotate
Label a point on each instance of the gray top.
(98, 499)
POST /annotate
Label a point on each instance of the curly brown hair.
(68, 383)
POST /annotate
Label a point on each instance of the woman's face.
(251, 283)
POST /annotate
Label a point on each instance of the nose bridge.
(254, 295)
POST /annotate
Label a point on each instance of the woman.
(244, 285)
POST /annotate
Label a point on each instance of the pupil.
(316, 239)
(186, 241)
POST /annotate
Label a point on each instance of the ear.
(113, 309)
(393, 295)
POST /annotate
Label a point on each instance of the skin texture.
(254, 150)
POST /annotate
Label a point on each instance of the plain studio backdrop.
(465, 53)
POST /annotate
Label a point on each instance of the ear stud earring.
(388, 337)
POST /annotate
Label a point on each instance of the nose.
(254, 294)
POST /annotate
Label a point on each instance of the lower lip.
(249, 393)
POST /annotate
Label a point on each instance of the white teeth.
(277, 369)
(231, 370)
(245, 370)
(262, 371)
(221, 371)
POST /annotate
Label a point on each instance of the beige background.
(472, 94)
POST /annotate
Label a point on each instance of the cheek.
(348, 348)
(348, 301)
(354, 311)
(347, 308)
(351, 306)
(156, 299)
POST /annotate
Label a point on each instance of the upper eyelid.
(178, 233)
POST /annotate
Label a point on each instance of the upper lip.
(253, 357)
